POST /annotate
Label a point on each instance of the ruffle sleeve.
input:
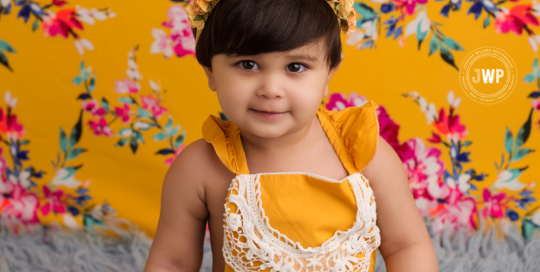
(225, 138)
(359, 129)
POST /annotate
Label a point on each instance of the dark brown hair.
(251, 27)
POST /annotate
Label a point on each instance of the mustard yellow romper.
(298, 221)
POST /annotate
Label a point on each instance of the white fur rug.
(63, 250)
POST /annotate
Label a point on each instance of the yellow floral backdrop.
(100, 96)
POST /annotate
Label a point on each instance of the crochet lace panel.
(251, 244)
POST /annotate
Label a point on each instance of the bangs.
(251, 27)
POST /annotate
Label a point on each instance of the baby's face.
(272, 94)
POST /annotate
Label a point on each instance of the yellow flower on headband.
(199, 10)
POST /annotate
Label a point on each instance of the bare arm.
(405, 243)
(178, 243)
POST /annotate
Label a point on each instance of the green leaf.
(105, 104)
(71, 171)
(25, 142)
(508, 141)
(81, 68)
(35, 25)
(76, 132)
(180, 139)
(222, 116)
(121, 142)
(198, 18)
(447, 56)
(133, 145)
(127, 100)
(524, 132)
(7, 47)
(433, 45)
(420, 36)
(63, 140)
(85, 74)
(452, 44)
(144, 113)
(160, 136)
(138, 136)
(520, 154)
(4, 61)
(466, 143)
(529, 78)
(77, 80)
(173, 131)
(537, 73)
(486, 22)
(92, 83)
(535, 64)
(364, 10)
(169, 124)
(527, 228)
(75, 152)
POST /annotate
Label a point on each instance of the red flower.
(62, 23)
(410, 4)
(123, 113)
(54, 201)
(9, 125)
(515, 20)
(100, 127)
(450, 126)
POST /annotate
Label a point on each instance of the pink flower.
(62, 23)
(151, 103)
(92, 107)
(410, 4)
(515, 20)
(458, 211)
(424, 169)
(494, 207)
(338, 101)
(450, 126)
(388, 128)
(536, 104)
(181, 42)
(170, 160)
(123, 113)
(100, 127)
(54, 201)
(21, 207)
(126, 86)
(10, 126)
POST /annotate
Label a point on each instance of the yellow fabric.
(305, 208)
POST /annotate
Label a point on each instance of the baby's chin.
(267, 131)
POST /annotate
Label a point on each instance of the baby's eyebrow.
(303, 57)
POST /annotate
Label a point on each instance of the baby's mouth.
(268, 115)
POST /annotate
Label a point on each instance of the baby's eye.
(296, 67)
(248, 65)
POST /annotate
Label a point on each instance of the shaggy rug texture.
(490, 249)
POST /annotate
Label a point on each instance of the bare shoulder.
(385, 160)
(178, 242)
(196, 164)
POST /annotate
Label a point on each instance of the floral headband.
(199, 11)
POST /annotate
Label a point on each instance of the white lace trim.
(251, 244)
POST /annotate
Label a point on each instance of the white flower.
(536, 218)
(505, 179)
(234, 221)
(65, 178)
(70, 222)
(462, 183)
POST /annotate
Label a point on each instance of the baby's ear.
(210, 76)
